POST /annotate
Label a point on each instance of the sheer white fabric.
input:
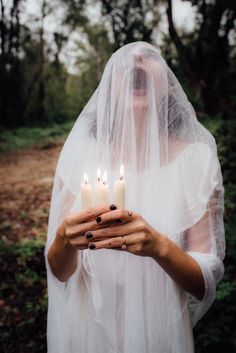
(117, 302)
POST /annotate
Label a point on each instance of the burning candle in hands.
(102, 195)
(120, 190)
(86, 193)
(101, 189)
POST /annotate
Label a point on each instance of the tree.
(10, 70)
(208, 57)
(131, 20)
(128, 20)
(32, 78)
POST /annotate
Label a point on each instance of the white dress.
(117, 302)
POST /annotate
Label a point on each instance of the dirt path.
(26, 178)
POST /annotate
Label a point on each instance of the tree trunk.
(183, 56)
(41, 91)
(3, 32)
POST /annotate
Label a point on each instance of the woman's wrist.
(62, 257)
(181, 267)
(161, 247)
(62, 241)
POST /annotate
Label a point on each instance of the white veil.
(116, 301)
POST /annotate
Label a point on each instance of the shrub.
(23, 294)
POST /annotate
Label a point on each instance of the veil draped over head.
(117, 302)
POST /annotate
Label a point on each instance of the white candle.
(98, 188)
(105, 199)
(101, 189)
(86, 193)
(120, 190)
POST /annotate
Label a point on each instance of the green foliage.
(210, 57)
(57, 104)
(215, 332)
(23, 294)
(25, 136)
(91, 62)
(33, 81)
(131, 20)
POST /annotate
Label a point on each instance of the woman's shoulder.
(182, 152)
(199, 146)
(199, 159)
(196, 151)
(186, 151)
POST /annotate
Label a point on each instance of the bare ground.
(26, 178)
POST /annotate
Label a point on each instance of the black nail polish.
(98, 219)
(92, 246)
(89, 235)
(112, 207)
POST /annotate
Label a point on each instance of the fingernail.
(89, 235)
(98, 219)
(112, 207)
(92, 246)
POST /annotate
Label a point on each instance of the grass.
(11, 140)
(23, 137)
(23, 293)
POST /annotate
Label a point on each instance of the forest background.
(46, 77)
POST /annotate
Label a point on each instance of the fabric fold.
(213, 270)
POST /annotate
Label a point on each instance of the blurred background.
(52, 55)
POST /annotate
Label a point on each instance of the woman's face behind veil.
(139, 90)
(147, 81)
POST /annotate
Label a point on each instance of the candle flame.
(85, 178)
(99, 174)
(122, 171)
(104, 177)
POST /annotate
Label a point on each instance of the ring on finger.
(123, 246)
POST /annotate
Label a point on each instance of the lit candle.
(105, 199)
(120, 189)
(101, 189)
(86, 193)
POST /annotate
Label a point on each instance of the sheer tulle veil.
(140, 117)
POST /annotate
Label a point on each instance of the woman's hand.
(133, 234)
(75, 225)
(62, 254)
(136, 236)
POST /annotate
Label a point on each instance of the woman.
(135, 280)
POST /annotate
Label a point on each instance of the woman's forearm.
(180, 266)
(62, 258)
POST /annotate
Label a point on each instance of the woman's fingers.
(119, 214)
(75, 230)
(79, 223)
(87, 215)
(117, 242)
(79, 229)
(114, 231)
(80, 242)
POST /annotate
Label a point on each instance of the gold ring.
(124, 246)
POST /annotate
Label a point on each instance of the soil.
(26, 178)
